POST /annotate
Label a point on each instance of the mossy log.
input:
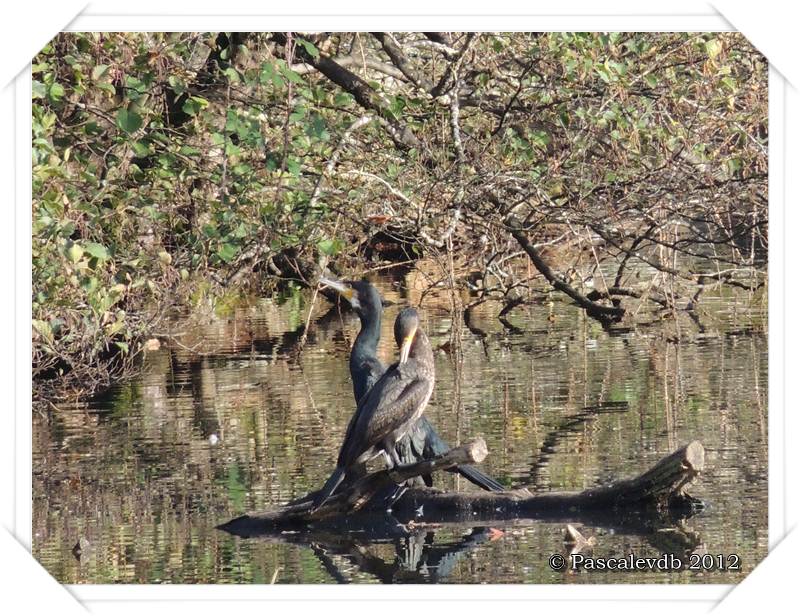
(657, 490)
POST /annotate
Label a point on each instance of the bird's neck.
(421, 348)
(366, 343)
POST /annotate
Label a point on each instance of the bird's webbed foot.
(392, 457)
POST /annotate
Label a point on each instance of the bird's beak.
(405, 348)
(342, 289)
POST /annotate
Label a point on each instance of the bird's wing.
(353, 444)
(396, 407)
(368, 372)
(356, 440)
(385, 408)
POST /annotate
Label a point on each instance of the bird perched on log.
(422, 442)
(396, 401)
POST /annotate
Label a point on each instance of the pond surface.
(231, 417)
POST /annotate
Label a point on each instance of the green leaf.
(227, 252)
(194, 104)
(90, 284)
(330, 247)
(232, 74)
(343, 98)
(309, 47)
(298, 113)
(114, 328)
(129, 121)
(713, 48)
(43, 327)
(74, 252)
(141, 149)
(268, 75)
(67, 229)
(98, 71)
(98, 251)
(293, 166)
(290, 74)
(540, 138)
(619, 67)
(734, 165)
(39, 89)
(317, 128)
(137, 86)
(107, 87)
(729, 82)
(176, 84)
(56, 92)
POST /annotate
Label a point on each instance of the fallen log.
(363, 491)
(660, 489)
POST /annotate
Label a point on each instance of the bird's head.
(406, 326)
(363, 297)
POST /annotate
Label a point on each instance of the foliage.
(163, 161)
(155, 157)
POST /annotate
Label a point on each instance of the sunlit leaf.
(129, 121)
(98, 251)
(56, 92)
(311, 50)
(74, 252)
(39, 90)
(194, 104)
(330, 247)
(713, 48)
(99, 71)
(227, 252)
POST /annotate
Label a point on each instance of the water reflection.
(235, 416)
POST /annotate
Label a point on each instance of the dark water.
(234, 419)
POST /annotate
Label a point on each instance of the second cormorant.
(422, 441)
(391, 407)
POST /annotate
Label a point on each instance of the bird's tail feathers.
(479, 479)
(333, 482)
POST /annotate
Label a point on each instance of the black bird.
(393, 405)
(365, 367)
(422, 441)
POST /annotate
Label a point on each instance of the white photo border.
(104, 597)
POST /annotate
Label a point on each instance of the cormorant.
(365, 367)
(393, 405)
(422, 441)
